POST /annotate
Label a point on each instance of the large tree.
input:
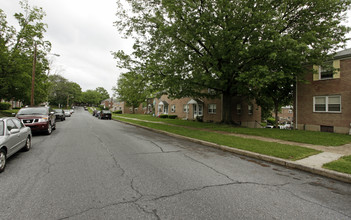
(17, 50)
(132, 89)
(231, 47)
(62, 91)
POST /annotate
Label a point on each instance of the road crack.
(111, 155)
(197, 161)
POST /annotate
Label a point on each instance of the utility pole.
(33, 74)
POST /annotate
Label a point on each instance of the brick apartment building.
(243, 112)
(324, 102)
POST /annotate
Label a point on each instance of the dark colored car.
(97, 113)
(38, 118)
(14, 136)
(60, 114)
(105, 114)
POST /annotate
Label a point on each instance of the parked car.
(97, 114)
(71, 111)
(105, 114)
(94, 112)
(38, 118)
(67, 113)
(60, 114)
(14, 136)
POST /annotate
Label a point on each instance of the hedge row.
(5, 105)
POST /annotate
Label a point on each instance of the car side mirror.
(14, 131)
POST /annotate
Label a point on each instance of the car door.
(13, 139)
(22, 132)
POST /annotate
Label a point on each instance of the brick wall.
(309, 120)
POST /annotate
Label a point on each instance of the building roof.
(343, 54)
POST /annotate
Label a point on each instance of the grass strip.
(299, 136)
(267, 148)
(342, 165)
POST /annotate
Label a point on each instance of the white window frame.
(326, 103)
(321, 70)
(173, 108)
(212, 108)
(238, 109)
(250, 109)
(185, 108)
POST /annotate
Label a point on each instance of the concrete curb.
(287, 163)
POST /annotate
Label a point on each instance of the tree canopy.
(232, 47)
(16, 52)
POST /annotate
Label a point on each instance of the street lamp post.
(33, 74)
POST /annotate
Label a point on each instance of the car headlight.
(43, 119)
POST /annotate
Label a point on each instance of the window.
(185, 108)
(165, 109)
(159, 109)
(18, 123)
(238, 109)
(327, 103)
(326, 70)
(200, 110)
(10, 125)
(173, 107)
(250, 109)
(212, 108)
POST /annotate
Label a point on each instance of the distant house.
(108, 103)
(286, 114)
(244, 112)
(324, 102)
(118, 105)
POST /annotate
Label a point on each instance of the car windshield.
(58, 110)
(106, 111)
(32, 111)
(1, 128)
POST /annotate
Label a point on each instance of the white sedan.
(14, 136)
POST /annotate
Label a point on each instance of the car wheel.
(2, 160)
(62, 119)
(49, 129)
(28, 144)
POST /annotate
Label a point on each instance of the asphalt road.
(102, 169)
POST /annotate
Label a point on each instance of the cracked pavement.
(101, 169)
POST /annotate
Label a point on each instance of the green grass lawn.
(308, 137)
(341, 165)
(267, 148)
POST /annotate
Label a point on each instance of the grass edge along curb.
(343, 165)
(283, 151)
(298, 136)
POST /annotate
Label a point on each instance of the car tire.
(28, 144)
(2, 160)
(49, 131)
(62, 119)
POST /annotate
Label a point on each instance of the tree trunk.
(276, 109)
(227, 108)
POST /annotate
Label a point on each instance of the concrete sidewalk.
(311, 164)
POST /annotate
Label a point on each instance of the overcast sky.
(82, 33)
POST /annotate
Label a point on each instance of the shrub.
(163, 116)
(199, 118)
(5, 105)
(172, 116)
(117, 112)
(271, 120)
